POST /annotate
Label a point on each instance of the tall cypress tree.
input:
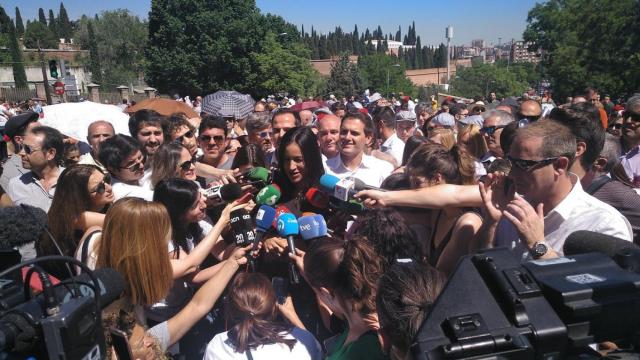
(94, 57)
(19, 75)
(355, 39)
(64, 25)
(419, 60)
(41, 17)
(19, 23)
(53, 25)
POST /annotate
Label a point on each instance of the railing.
(17, 94)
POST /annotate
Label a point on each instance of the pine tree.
(419, 60)
(94, 57)
(41, 17)
(53, 24)
(355, 40)
(64, 25)
(399, 34)
(379, 33)
(19, 74)
(19, 23)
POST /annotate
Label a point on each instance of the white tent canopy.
(73, 119)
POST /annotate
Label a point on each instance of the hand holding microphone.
(288, 228)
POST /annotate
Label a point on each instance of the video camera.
(495, 307)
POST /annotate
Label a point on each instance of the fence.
(17, 94)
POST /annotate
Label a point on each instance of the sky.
(471, 19)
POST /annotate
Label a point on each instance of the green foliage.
(53, 24)
(19, 23)
(120, 38)
(210, 49)
(588, 43)
(378, 70)
(285, 69)
(41, 17)
(94, 55)
(10, 37)
(64, 27)
(38, 31)
(480, 79)
(345, 79)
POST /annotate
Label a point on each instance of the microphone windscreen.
(312, 227)
(264, 217)
(268, 195)
(230, 192)
(583, 241)
(287, 225)
(20, 225)
(281, 209)
(328, 183)
(111, 283)
(317, 198)
(258, 174)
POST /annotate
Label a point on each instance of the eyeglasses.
(528, 165)
(185, 166)
(615, 126)
(102, 186)
(189, 134)
(219, 139)
(265, 134)
(29, 150)
(137, 166)
(490, 130)
(530, 118)
(631, 115)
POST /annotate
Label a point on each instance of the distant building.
(394, 46)
(520, 52)
(478, 43)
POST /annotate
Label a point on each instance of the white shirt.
(577, 211)
(394, 147)
(305, 348)
(143, 191)
(371, 171)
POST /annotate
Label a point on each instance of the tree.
(10, 36)
(609, 61)
(65, 29)
(376, 69)
(41, 17)
(53, 24)
(37, 31)
(344, 79)
(94, 56)
(19, 23)
(480, 79)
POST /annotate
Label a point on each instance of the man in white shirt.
(355, 133)
(549, 203)
(385, 120)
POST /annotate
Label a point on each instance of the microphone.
(281, 209)
(625, 253)
(264, 220)
(242, 227)
(21, 225)
(312, 227)
(268, 195)
(359, 185)
(257, 174)
(317, 198)
(342, 189)
(222, 194)
(288, 228)
(328, 183)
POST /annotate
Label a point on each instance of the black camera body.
(496, 307)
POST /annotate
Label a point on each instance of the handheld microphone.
(281, 209)
(341, 189)
(359, 185)
(269, 195)
(264, 220)
(222, 194)
(328, 183)
(317, 198)
(257, 174)
(288, 228)
(312, 227)
(242, 227)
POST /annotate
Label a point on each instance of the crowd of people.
(434, 182)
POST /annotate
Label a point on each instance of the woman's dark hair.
(250, 154)
(116, 149)
(389, 234)
(397, 181)
(71, 199)
(406, 294)
(178, 196)
(308, 143)
(166, 162)
(411, 145)
(350, 268)
(456, 166)
(250, 307)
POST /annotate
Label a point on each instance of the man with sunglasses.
(14, 131)
(181, 131)
(213, 142)
(494, 122)
(124, 159)
(547, 202)
(631, 136)
(529, 111)
(259, 131)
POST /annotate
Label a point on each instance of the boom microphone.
(583, 241)
(269, 195)
(21, 225)
(222, 194)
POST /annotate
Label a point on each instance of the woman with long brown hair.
(344, 274)
(134, 242)
(255, 333)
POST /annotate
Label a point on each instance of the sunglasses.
(627, 115)
(189, 134)
(185, 166)
(102, 186)
(528, 165)
(615, 126)
(29, 150)
(219, 139)
(490, 130)
(137, 166)
(530, 118)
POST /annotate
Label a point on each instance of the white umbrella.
(73, 119)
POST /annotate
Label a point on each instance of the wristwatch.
(539, 249)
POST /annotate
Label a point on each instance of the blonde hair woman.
(442, 136)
